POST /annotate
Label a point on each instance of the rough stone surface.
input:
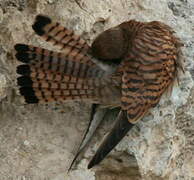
(38, 142)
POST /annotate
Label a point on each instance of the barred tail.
(58, 35)
(49, 76)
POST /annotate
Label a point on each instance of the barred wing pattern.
(147, 65)
(148, 71)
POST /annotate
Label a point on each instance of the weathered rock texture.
(38, 142)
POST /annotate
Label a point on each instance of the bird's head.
(110, 46)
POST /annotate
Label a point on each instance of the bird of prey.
(128, 66)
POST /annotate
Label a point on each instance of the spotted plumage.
(131, 66)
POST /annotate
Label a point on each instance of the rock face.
(38, 142)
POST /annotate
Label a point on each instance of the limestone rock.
(38, 142)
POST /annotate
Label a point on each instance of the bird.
(129, 66)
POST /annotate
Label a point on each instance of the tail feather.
(36, 95)
(58, 35)
(42, 59)
(120, 129)
(41, 91)
(36, 83)
(48, 76)
(31, 54)
(48, 91)
(53, 76)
